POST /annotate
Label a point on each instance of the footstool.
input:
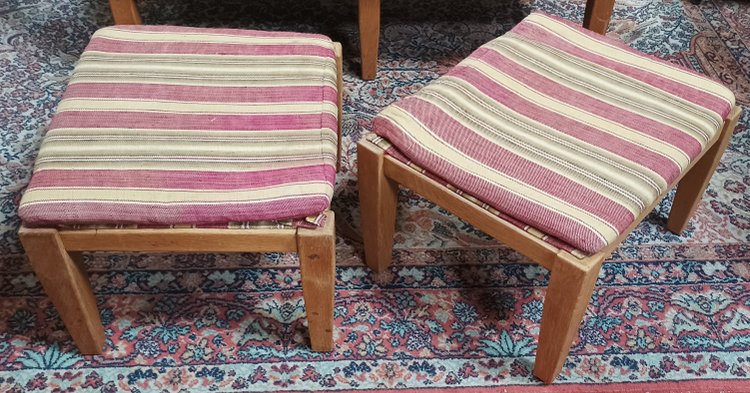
(191, 140)
(555, 141)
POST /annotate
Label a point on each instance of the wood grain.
(597, 15)
(567, 298)
(317, 256)
(369, 36)
(125, 12)
(67, 285)
(181, 240)
(377, 198)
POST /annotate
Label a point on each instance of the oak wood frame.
(55, 256)
(572, 279)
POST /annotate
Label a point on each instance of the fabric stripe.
(164, 126)
(585, 141)
(428, 141)
(675, 79)
(559, 129)
(178, 180)
(97, 119)
(262, 94)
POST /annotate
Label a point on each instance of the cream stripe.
(670, 152)
(620, 55)
(207, 38)
(158, 149)
(310, 70)
(612, 88)
(612, 183)
(423, 137)
(139, 105)
(181, 134)
(152, 196)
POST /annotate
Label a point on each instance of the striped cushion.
(562, 129)
(173, 125)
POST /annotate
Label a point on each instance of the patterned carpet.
(457, 309)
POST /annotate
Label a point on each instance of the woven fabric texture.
(564, 130)
(173, 125)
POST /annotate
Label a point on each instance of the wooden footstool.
(555, 141)
(190, 140)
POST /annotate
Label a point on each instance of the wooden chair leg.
(691, 187)
(568, 295)
(125, 12)
(317, 256)
(66, 284)
(378, 197)
(597, 15)
(369, 36)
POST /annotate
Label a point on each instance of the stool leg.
(125, 12)
(568, 295)
(691, 187)
(317, 256)
(65, 282)
(369, 36)
(597, 15)
(378, 196)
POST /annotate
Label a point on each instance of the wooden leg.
(597, 15)
(317, 256)
(66, 284)
(568, 295)
(378, 196)
(369, 36)
(125, 12)
(691, 187)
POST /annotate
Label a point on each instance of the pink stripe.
(283, 94)
(189, 48)
(221, 31)
(511, 164)
(187, 180)
(180, 121)
(534, 214)
(699, 97)
(666, 168)
(69, 213)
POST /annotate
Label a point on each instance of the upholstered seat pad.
(173, 125)
(564, 130)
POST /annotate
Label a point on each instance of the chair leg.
(568, 295)
(125, 12)
(378, 196)
(369, 36)
(597, 15)
(691, 187)
(317, 256)
(65, 282)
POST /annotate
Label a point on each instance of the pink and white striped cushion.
(567, 131)
(172, 125)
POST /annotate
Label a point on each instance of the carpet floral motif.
(456, 309)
